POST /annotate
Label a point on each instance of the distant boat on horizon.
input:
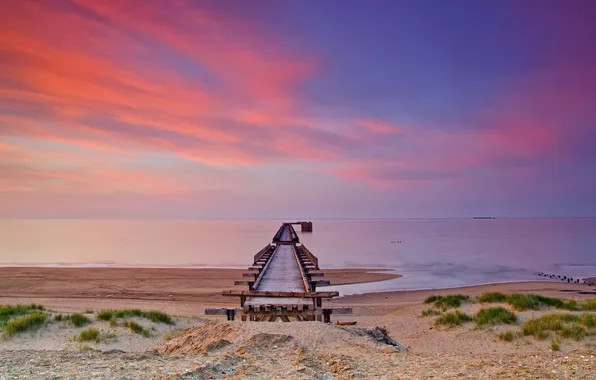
(484, 217)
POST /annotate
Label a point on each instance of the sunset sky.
(281, 109)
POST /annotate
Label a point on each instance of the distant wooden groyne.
(282, 283)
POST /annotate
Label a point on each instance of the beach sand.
(214, 348)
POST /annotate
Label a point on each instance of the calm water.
(430, 253)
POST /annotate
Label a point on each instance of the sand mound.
(265, 340)
(378, 334)
(207, 338)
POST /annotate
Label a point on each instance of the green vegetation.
(449, 301)
(79, 320)
(10, 311)
(495, 315)
(427, 312)
(507, 336)
(136, 328)
(555, 345)
(91, 334)
(573, 326)
(521, 302)
(452, 319)
(153, 316)
(31, 322)
(89, 311)
(492, 297)
(173, 334)
(58, 317)
(589, 305)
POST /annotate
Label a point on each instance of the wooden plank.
(265, 293)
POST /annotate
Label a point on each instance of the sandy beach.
(196, 346)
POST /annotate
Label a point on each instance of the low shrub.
(554, 345)
(10, 311)
(448, 301)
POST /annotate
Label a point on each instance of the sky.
(307, 109)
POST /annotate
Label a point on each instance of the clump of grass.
(575, 332)
(10, 311)
(507, 336)
(521, 302)
(58, 317)
(432, 299)
(89, 311)
(539, 327)
(91, 334)
(494, 316)
(492, 297)
(452, 319)
(153, 316)
(113, 322)
(158, 317)
(84, 347)
(427, 312)
(589, 304)
(22, 323)
(554, 345)
(105, 314)
(588, 320)
(79, 320)
(136, 328)
(449, 301)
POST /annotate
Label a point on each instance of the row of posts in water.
(570, 280)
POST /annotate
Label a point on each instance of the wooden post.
(327, 315)
(231, 313)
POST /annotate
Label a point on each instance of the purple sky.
(282, 109)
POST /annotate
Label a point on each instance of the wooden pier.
(282, 283)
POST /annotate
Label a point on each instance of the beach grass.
(8, 312)
(153, 316)
(79, 320)
(571, 326)
(554, 345)
(27, 322)
(136, 328)
(449, 301)
(589, 305)
(507, 336)
(492, 297)
(494, 316)
(428, 312)
(91, 334)
(522, 301)
(453, 318)
(58, 318)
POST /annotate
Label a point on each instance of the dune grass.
(521, 302)
(448, 301)
(453, 318)
(428, 312)
(492, 297)
(507, 336)
(554, 345)
(572, 326)
(136, 328)
(8, 312)
(79, 320)
(589, 305)
(494, 316)
(27, 322)
(91, 334)
(153, 316)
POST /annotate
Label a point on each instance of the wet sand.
(172, 284)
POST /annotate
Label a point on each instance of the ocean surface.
(429, 253)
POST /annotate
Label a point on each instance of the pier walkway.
(282, 283)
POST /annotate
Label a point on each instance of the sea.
(428, 253)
